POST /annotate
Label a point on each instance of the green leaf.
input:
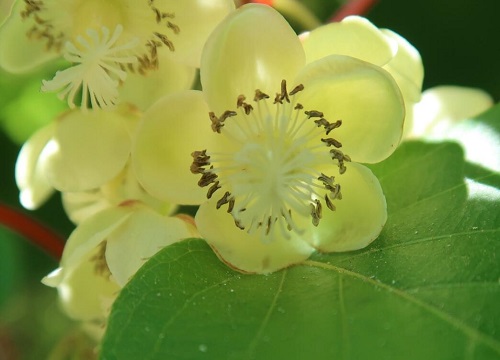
(427, 288)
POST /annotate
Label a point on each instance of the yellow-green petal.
(171, 76)
(196, 19)
(30, 177)
(354, 36)
(91, 233)
(172, 129)
(406, 67)
(359, 216)
(366, 99)
(18, 53)
(84, 294)
(253, 48)
(143, 234)
(87, 150)
(246, 252)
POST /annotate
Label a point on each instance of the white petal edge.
(30, 177)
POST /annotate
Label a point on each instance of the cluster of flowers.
(271, 148)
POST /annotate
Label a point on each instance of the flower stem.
(353, 7)
(32, 230)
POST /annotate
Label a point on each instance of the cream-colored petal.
(366, 99)
(359, 216)
(82, 205)
(406, 67)
(196, 19)
(143, 234)
(87, 150)
(253, 48)
(84, 293)
(246, 252)
(30, 178)
(91, 233)
(143, 90)
(442, 106)
(18, 53)
(172, 129)
(354, 36)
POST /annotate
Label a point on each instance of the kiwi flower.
(275, 143)
(104, 251)
(107, 40)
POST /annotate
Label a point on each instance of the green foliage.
(427, 288)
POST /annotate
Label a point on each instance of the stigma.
(271, 176)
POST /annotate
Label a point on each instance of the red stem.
(353, 7)
(32, 230)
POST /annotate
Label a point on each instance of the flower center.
(98, 70)
(57, 22)
(272, 175)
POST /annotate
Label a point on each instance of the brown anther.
(296, 89)
(213, 189)
(268, 226)
(227, 114)
(328, 181)
(173, 27)
(284, 92)
(313, 113)
(223, 200)
(259, 95)
(335, 192)
(329, 203)
(207, 178)
(332, 142)
(157, 13)
(321, 122)
(230, 207)
(316, 212)
(241, 103)
(332, 126)
(340, 157)
(164, 39)
(298, 107)
(201, 157)
(218, 123)
(238, 224)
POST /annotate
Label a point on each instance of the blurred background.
(459, 43)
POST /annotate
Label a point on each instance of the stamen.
(149, 61)
(270, 177)
(97, 70)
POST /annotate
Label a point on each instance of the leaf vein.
(471, 333)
